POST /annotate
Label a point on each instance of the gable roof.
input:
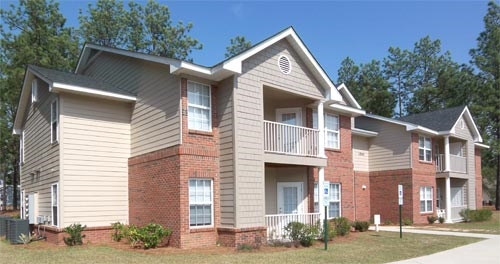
(228, 67)
(60, 81)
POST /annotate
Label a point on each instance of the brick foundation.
(93, 235)
(235, 237)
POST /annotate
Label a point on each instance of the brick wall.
(235, 237)
(362, 196)
(93, 235)
(479, 178)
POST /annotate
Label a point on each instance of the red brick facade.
(93, 235)
(479, 178)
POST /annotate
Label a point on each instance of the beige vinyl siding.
(466, 134)
(155, 121)
(39, 154)
(258, 71)
(360, 154)
(281, 174)
(95, 142)
(226, 161)
(390, 149)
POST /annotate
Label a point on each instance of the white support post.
(446, 153)
(321, 180)
(448, 199)
(321, 127)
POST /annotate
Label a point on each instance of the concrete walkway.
(485, 251)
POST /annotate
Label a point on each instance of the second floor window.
(34, 91)
(21, 148)
(199, 114)
(332, 130)
(424, 149)
(54, 122)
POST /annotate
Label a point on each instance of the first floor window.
(424, 148)
(55, 203)
(200, 202)
(438, 198)
(334, 205)
(425, 199)
(316, 198)
(199, 114)
(54, 122)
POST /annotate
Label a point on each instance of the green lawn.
(367, 247)
(487, 227)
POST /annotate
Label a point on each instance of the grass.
(491, 226)
(366, 247)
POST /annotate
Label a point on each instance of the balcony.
(276, 223)
(291, 140)
(457, 163)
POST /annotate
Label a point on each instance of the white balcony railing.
(457, 163)
(289, 139)
(276, 223)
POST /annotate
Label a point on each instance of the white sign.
(400, 194)
(326, 193)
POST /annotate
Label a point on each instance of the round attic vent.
(284, 64)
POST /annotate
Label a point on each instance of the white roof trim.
(347, 109)
(483, 146)
(57, 87)
(468, 118)
(409, 126)
(363, 133)
(347, 94)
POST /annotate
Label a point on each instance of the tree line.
(404, 82)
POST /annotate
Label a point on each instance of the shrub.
(407, 222)
(431, 219)
(441, 220)
(245, 247)
(342, 226)
(119, 231)
(361, 226)
(475, 215)
(75, 234)
(148, 236)
(299, 232)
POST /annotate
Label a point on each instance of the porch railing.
(289, 139)
(457, 163)
(276, 223)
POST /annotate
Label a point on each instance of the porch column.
(321, 193)
(321, 127)
(446, 153)
(448, 199)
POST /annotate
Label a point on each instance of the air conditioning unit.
(3, 224)
(15, 228)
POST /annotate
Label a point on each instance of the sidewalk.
(485, 251)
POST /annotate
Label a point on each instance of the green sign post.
(400, 196)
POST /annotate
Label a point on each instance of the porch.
(276, 223)
(451, 155)
(457, 163)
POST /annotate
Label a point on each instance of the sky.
(332, 30)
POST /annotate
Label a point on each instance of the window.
(54, 122)
(34, 90)
(200, 202)
(21, 148)
(457, 197)
(54, 203)
(438, 198)
(425, 199)
(199, 114)
(332, 132)
(424, 148)
(334, 205)
(316, 198)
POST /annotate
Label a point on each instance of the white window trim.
(339, 200)
(209, 108)
(52, 203)
(211, 203)
(52, 141)
(425, 200)
(326, 130)
(21, 147)
(34, 90)
(424, 148)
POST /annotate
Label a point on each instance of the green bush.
(75, 234)
(407, 222)
(299, 232)
(148, 236)
(476, 215)
(119, 231)
(361, 226)
(342, 226)
(466, 215)
(441, 220)
(431, 219)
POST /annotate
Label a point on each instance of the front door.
(290, 196)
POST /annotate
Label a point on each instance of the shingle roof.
(440, 120)
(77, 80)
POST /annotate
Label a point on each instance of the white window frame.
(334, 200)
(54, 202)
(21, 147)
(335, 131)
(201, 107)
(424, 148)
(54, 119)
(34, 90)
(438, 197)
(316, 198)
(426, 196)
(211, 203)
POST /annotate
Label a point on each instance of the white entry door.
(289, 116)
(290, 196)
